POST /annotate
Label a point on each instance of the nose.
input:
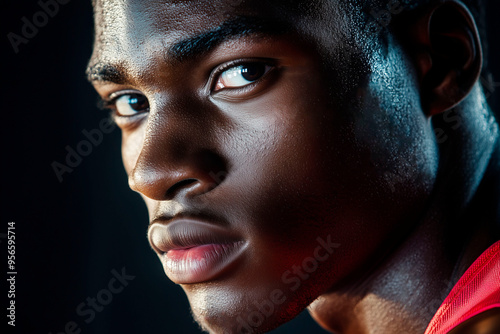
(177, 159)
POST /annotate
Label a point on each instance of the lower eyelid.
(128, 122)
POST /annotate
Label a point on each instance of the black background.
(70, 235)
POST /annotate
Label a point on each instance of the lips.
(193, 251)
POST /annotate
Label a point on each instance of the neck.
(405, 291)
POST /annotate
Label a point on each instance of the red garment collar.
(478, 290)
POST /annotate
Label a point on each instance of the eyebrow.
(104, 72)
(198, 45)
(238, 27)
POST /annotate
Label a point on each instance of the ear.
(448, 54)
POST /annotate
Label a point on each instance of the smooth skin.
(324, 131)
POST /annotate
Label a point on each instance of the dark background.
(70, 235)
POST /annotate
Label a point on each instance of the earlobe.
(448, 57)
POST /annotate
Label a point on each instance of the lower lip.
(200, 263)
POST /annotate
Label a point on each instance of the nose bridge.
(177, 156)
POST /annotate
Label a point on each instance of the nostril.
(195, 174)
(172, 191)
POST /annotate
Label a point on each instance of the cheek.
(309, 172)
(391, 125)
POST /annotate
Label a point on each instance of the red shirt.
(478, 290)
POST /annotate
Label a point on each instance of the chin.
(254, 309)
(218, 321)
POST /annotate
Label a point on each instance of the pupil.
(137, 102)
(252, 72)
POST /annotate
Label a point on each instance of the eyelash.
(105, 104)
(109, 103)
(217, 72)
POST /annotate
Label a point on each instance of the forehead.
(121, 15)
(124, 28)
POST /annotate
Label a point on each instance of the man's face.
(276, 163)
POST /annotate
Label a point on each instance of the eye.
(241, 75)
(129, 104)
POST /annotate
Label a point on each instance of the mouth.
(194, 251)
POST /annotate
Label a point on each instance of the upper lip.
(182, 232)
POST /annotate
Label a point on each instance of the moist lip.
(193, 251)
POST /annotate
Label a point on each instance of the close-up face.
(275, 162)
